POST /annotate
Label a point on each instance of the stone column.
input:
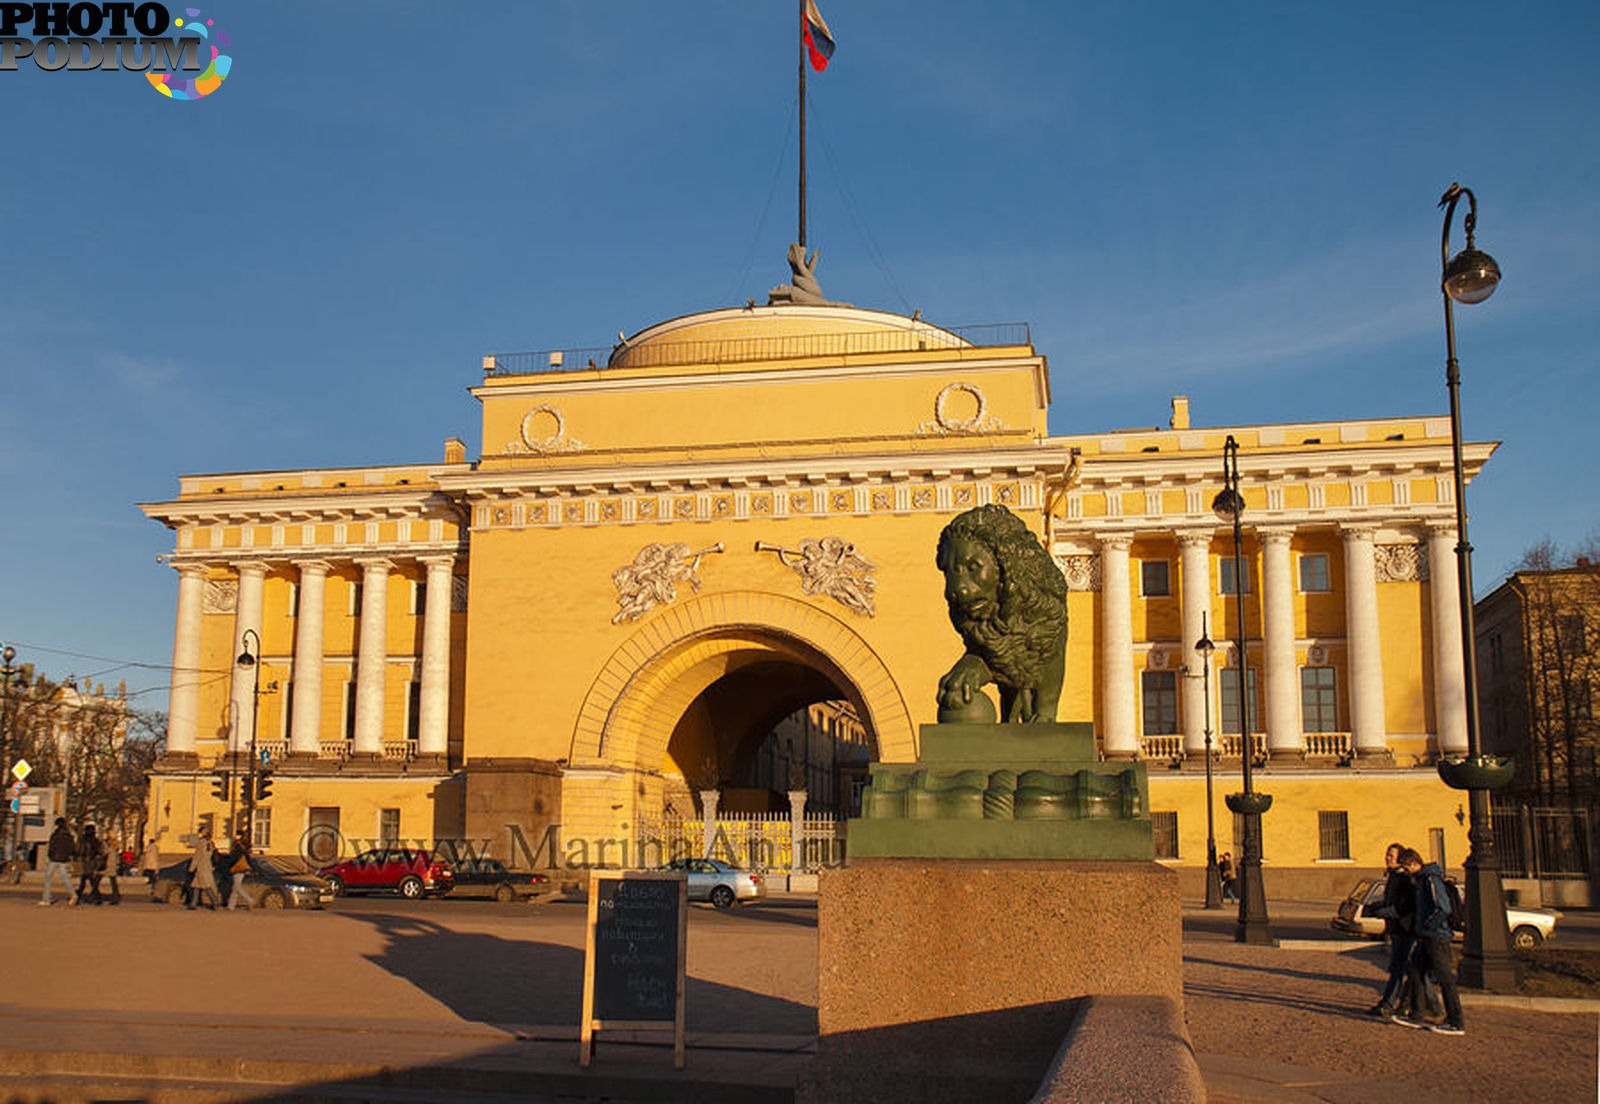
(1194, 579)
(1449, 668)
(708, 820)
(371, 657)
(433, 722)
(1120, 739)
(183, 707)
(1285, 738)
(1364, 651)
(247, 615)
(305, 721)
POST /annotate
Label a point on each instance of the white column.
(797, 820)
(247, 615)
(1285, 737)
(433, 722)
(371, 656)
(1364, 650)
(1449, 667)
(305, 722)
(183, 707)
(1194, 579)
(1120, 740)
(708, 820)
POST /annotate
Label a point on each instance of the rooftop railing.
(916, 336)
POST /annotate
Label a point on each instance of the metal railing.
(1542, 843)
(916, 336)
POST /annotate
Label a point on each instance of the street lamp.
(251, 662)
(1470, 277)
(7, 672)
(1252, 925)
(1206, 649)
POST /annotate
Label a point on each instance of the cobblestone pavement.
(1291, 1025)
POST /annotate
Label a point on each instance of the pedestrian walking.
(238, 867)
(58, 854)
(1230, 883)
(1396, 910)
(150, 864)
(203, 873)
(1431, 925)
(91, 863)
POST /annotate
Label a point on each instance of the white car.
(1529, 927)
(718, 882)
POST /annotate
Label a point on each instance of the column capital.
(438, 559)
(1358, 531)
(373, 563)
(249, 567)
(1440, 527)
(190, 568)
(312, 567)
(1118, 542)
(1275, 534)
(1188, 538)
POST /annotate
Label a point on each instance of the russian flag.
(819, 40)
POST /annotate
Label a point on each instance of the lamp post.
(251, 661)
(1205, 648)
(1252, 925)
(7, 673)
(1467, 278)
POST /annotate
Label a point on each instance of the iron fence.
(1542, 842)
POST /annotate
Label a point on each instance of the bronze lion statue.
(1009, 603)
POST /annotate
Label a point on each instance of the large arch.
(636, 699)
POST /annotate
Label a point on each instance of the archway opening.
(771, 724)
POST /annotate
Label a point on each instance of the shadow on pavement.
(1280, 971)
(505, 982)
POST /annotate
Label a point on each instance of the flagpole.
(802, 124)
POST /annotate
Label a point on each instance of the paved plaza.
(457, 999)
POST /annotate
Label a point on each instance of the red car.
(401, 870)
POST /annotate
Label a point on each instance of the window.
(1333, 835)
(413, 709)
(1164, 826)
(350, 710)
(1155, 577)
(1230, 700)
(419, 598)
(323, 843)
(261, 830)
(389, 827)
(1314, 573)
(1318, 700)
(1160, 694)
(1227, 568)
(355, 599)
(1572, 632)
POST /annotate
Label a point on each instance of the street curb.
(1567, 1005)
(462, 1077)
(1325, 944)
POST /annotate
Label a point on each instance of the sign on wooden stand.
(633, 964)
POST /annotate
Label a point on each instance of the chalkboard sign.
(634, 960)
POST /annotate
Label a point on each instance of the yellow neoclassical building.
(664, 549)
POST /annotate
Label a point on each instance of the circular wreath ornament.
(543, 444)
(952, 424)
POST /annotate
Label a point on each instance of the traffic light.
(263, 785)
(222, 785)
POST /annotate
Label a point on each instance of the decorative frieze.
(1080, 572)
(652, 578)
(1401, 563)
(221, 596)
(832, 567)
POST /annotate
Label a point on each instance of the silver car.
(719, 882)
(1529, 927)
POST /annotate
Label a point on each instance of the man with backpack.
(1430, 924)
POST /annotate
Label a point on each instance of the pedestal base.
(958, 980)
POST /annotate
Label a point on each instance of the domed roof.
(778, 332)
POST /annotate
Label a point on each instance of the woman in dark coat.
(92, 860)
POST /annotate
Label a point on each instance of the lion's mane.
(1021, 641)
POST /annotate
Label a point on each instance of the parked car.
(407, 871)
(719, 882)
(491, 878)
(1529, 927)
(270, 884)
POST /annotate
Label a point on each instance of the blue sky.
(1233, 201)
